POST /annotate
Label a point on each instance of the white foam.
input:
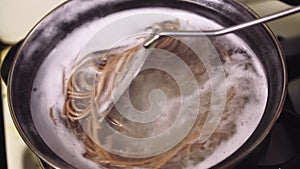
(250, 116)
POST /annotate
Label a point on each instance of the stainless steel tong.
(196, 33)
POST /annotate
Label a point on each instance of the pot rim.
(228, 164)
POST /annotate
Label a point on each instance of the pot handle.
(291, 2)
(290, 119)
(8, 60)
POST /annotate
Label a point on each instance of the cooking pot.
(57, 25)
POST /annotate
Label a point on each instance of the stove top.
(281, 148)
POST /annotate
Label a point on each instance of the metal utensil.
(196, 33)
(140, 57)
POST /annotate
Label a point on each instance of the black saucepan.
(41, 41)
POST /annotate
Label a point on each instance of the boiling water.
(48, 85)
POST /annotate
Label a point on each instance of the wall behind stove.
(17, 17)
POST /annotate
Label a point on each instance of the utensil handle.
(264, 19)
(8, 60)
(233, 28)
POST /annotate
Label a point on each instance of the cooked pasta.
(90, 86)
